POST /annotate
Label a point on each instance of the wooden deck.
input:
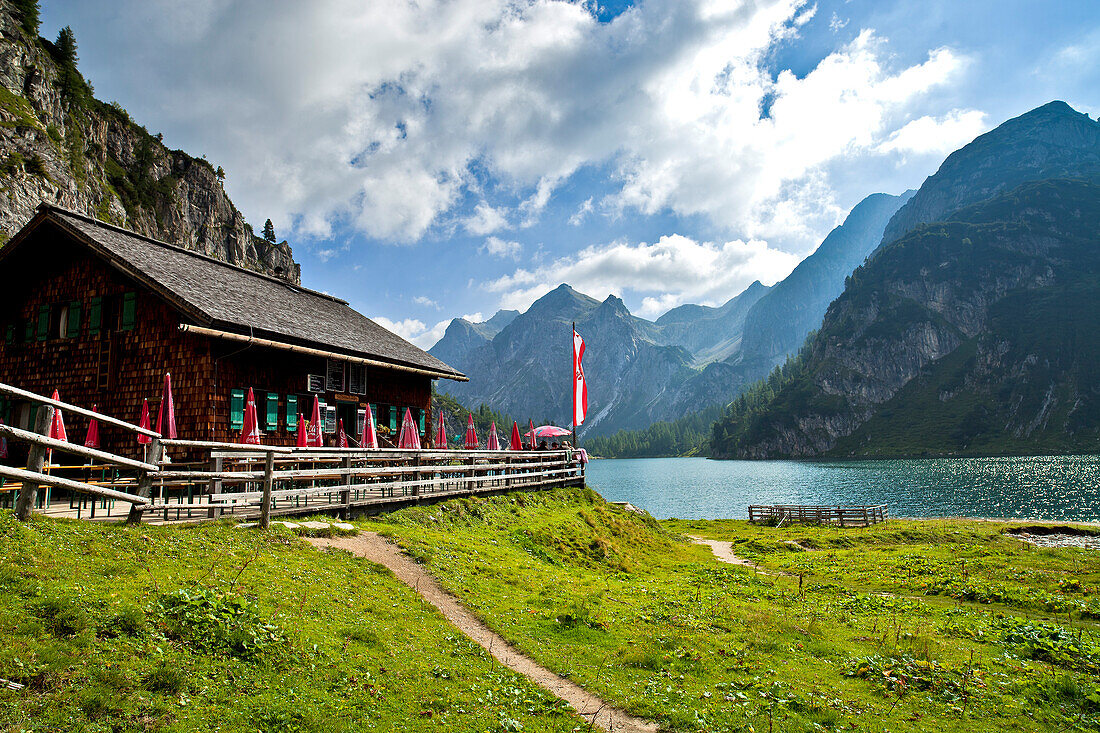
(841, 516)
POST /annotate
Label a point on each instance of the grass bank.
(911, 627)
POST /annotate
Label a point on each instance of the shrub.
(218, 622)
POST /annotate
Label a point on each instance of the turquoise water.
(1047, 487)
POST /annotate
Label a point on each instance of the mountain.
(977, 335)
(1051, 141)
(974, 334)
(778, 323)
(642, 372)
(59, 144)
(710, 334)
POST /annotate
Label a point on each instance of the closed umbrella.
(493, 443)
(313, 432)
(441, 433)
(143, 422)
(166, 414)
(531, 426)
(471, 437)
(515, 443)
(92, 439)
(369, 438)
(300, 441)
(410, 437)
(250, 433)
(341, 436)
(57, 427)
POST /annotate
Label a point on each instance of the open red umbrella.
(515, 443)
(313, 432)
(369, 438)
(250, 433)
(494, 442)
(441, 433)
(471, 437)
(168, 430)
(300, 441)
(341, 436)
(410, 436)
(144, 423)
(550, 431)
(92, 440)
(57, 427)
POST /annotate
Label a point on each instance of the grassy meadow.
(951, 626)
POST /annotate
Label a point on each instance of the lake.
(1046, 487)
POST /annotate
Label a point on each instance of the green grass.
(916, 626)
(115, 628)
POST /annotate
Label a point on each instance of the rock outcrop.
(69, 149)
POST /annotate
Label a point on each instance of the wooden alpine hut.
(101, 314)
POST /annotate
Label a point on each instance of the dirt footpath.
(376, 549)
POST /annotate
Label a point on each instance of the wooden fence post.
(345, 495)
(28, 495)
(214, 486)
(145, 481)
(269, 480)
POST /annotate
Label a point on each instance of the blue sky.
(452, 157)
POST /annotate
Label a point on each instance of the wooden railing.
(841, 516)
(262, 481)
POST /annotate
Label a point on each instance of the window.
(236, 409)
(334, 376)
(271, 421)
(292, 413)
(357, 378)
(360, 421)
(9, 334)
(129, 312)
(95, 316)
(59, 321)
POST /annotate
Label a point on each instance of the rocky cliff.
(60, 145)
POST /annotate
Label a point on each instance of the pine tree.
(28, 16)
(73, 88)
(269, 231)
(66, 48)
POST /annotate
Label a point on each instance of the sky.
(430, 159)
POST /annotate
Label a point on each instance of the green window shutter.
(43, 321)
(236, 409)
(73, 326)
(95, 316)
(420, 415)
(393, 418)
(292, 413)
(272, 411)
(9, 335)
(129, 311)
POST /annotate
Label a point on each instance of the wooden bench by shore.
(859, 515)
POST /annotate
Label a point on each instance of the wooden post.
(28, 495)
(215, 487)
(345, 495)
(145, 481)
(269, 480)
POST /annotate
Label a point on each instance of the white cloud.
(931, 135)
(425, 301)
(389, 115)
(327, 254)
(498, 247)
(407, 329)
(485, 220)
(582, 212)
(669, 272)
(836, 24)
(417, 332)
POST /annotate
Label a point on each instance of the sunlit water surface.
(1046, 487)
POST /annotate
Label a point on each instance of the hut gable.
(215, 294)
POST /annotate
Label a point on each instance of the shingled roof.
(217, 294)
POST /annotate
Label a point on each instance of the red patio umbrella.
(493, 443)
(471, 437)
(144, 423)
(441, 433)
(57, 427)
(313, 433)
(369, 438)
(550, 431)
(168, 430)
(92, 440)
(515, 443)
(300, 442)
(250, 433)
(410, 436)
(341, 436)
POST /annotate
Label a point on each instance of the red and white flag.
(580, 387)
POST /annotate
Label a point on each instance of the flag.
(580, 387)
